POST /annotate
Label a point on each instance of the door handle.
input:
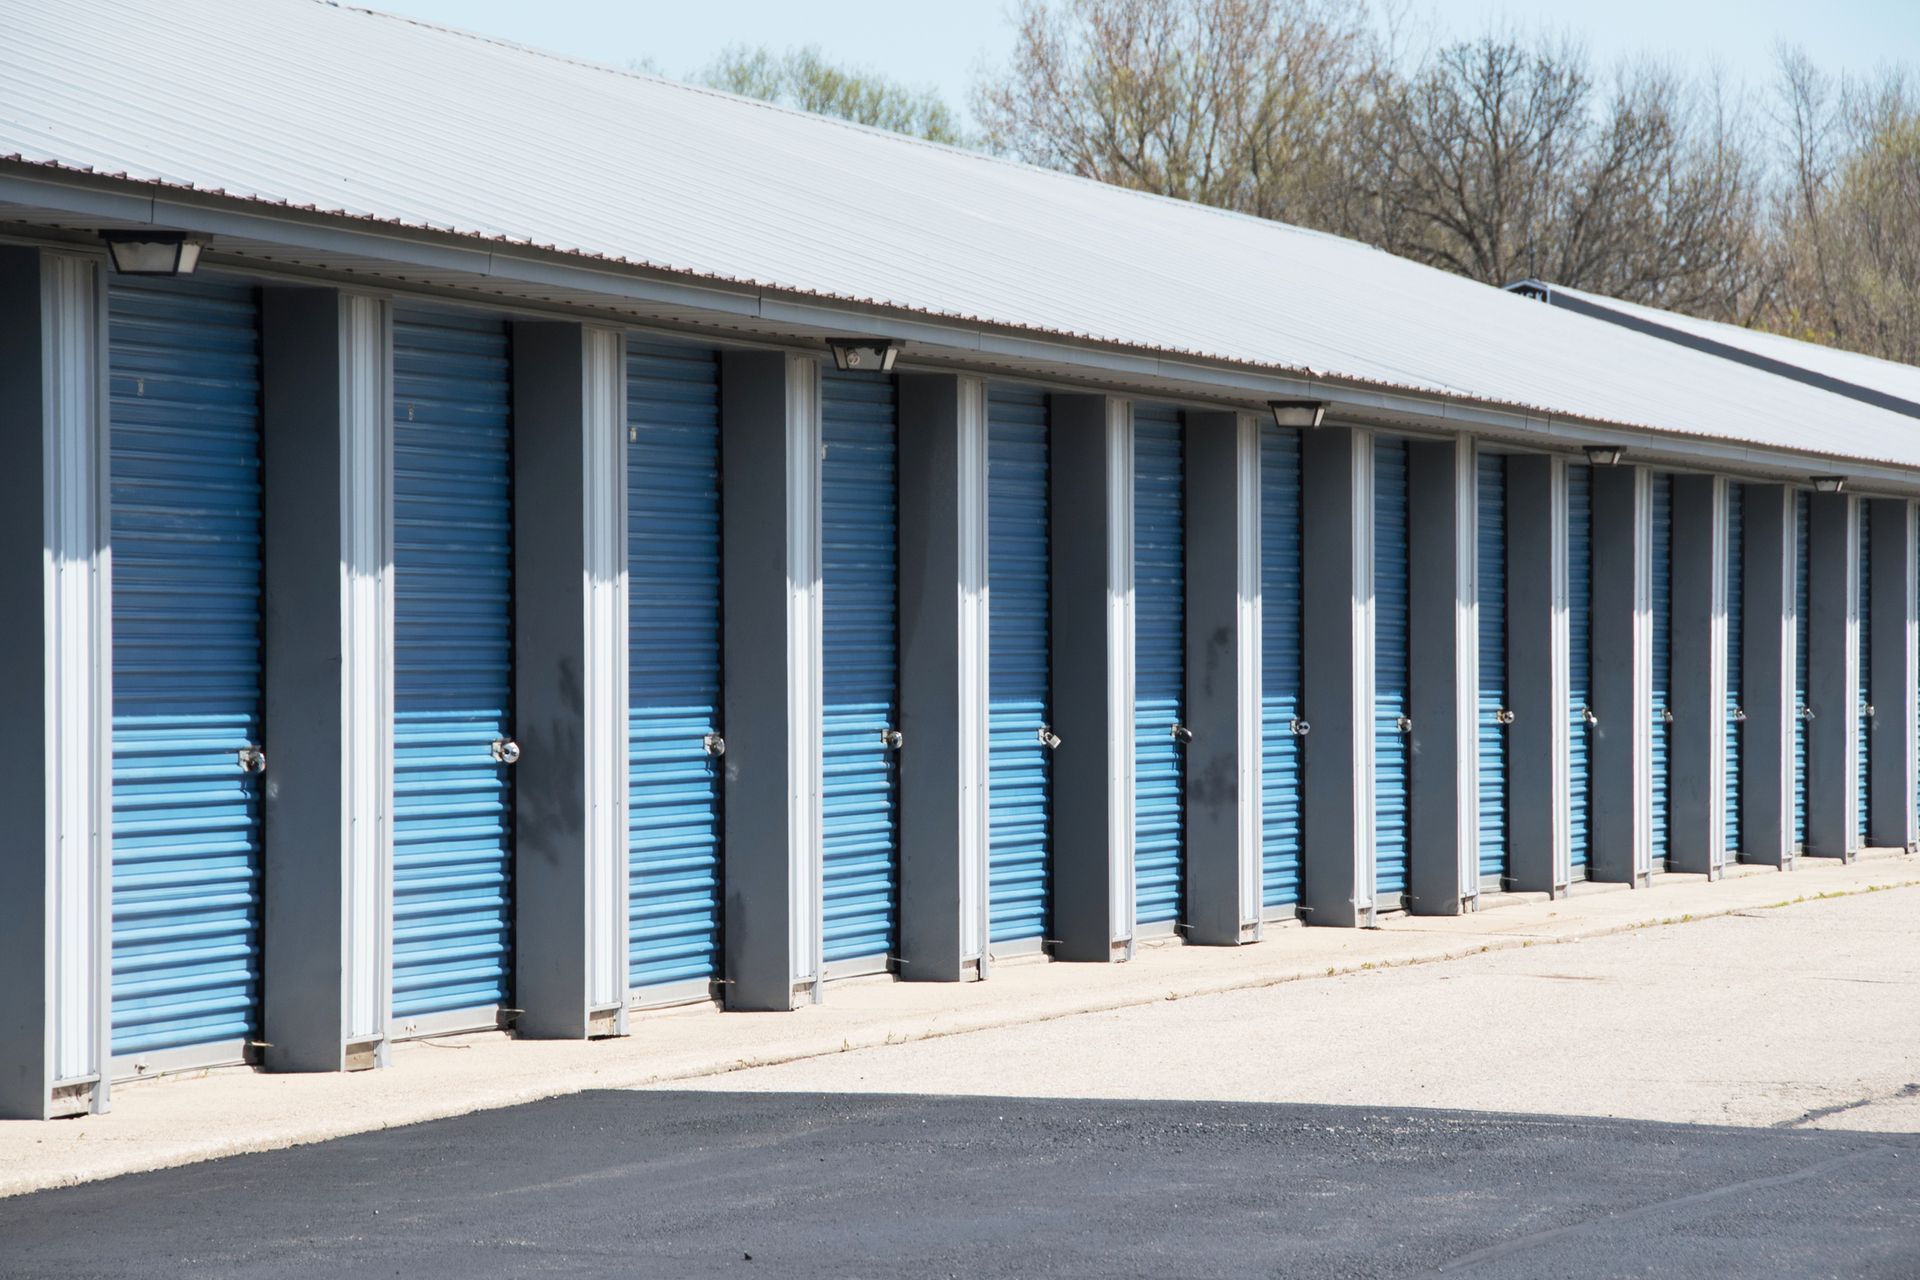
(1047, 737)
(252, 759)
(506, 751)
(891, 739)
(1298, 727)
(1180, 733)
(714, 745)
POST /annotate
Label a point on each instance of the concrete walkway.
(162, 1123)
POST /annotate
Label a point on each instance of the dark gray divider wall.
(1085, 817)
(1536, 670)
(761, 823)
(931, 689)
(1766, 682)
(1696, 751)
(1336, 517)
(1832, 661)
(1440, 551)
(1216, 518)
(1893, 681)
(1621, 667)
(304, 943)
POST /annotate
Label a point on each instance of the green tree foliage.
(804, 78)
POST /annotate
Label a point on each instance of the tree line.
(1794, 207)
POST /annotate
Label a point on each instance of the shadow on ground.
(706, 1184)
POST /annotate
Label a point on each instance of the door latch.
(252, 759)
(506, 751)
(1866, 709)
(1403, 723)
(1806, 713)
(1739, 715)
(1047, 737)
(1180, 733)
(1299, 728)
(891, 739)
(1666, 715)
(1503, 716)
(714, 744)
(1588, 718)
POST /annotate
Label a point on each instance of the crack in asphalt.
(1538, 1238)
(1822, 1113)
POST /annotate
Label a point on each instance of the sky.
(943, 44)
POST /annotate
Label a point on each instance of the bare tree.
(804, 78)
(1501, 159)
(1235, 103)
(1848, 217)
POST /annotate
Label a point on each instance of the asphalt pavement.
(695, 1184)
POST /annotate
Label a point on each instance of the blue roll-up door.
(859, 525)
(1019, 677)
(673, 666)
(1736, 655)
(1660, 604)
(1281, 668)
(1160, 663)
(1490, 543)
(1800, 640)
(185, 520)
(1865, 648)
(1391, 704)
(453, 668)
(1579, 663)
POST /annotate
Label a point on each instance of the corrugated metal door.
(185, 524)
(1490, 541)
(860, 558)
(1160, 664)
(1800, 636)
(1865, 649)
(1579, 662)
(1019, 677)
(1280, 667)
(673, 666)
(1391, 705)
(1660, 603)
(1736, 655)
(453, 669)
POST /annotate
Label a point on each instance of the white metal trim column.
(805, 676)
(603, 518)
(1120, 675)
(56, 1008)
(1539, 742)
(366, 678)
(1247, 681)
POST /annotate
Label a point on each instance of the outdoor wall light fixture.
(1605, 455)
(864, 355)
(1829, 484)
(152, 253)
(1305, 414)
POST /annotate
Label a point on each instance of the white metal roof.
(1887, 377)
(348, 112)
